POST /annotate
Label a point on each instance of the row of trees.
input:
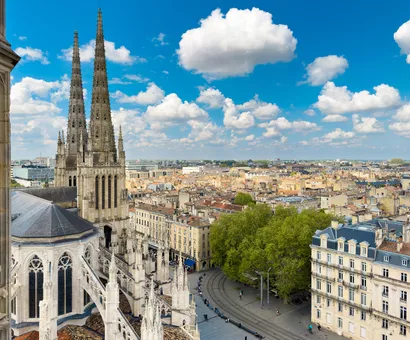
(255, 240)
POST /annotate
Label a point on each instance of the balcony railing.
(323, 276)
(340, 299)
(338, 266)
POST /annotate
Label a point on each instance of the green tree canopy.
(15, 184)
(255, 240)
(243, 199)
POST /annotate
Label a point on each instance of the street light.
(261, 287)
(267, 288)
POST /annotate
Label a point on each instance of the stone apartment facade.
(360, 279)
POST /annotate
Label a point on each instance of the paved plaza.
(293, 319)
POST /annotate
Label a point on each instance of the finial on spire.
(120, 134)
(59, 137)
(113, 268)
(99, 23)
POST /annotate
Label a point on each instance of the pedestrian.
(240, 296)
(240, 325)
(277, 312)
(227, 320)
(319, 327)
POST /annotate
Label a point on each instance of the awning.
(189, 262)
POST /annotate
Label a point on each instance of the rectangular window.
(328, 303)
(329, 287)
(385, 324)
(340, 291)
(364, 266)
(385, 307)
(340, 260)
(352, 248)
(319, 255)
(404, 277)
(329, 258)
(351, 294)
(339, 307)
(404, 263)
(351, 311)
(386, 258)
(340, 246)
(318, 299)
(363, 332)
(385, 272)
(340, 276)
(323, 243)
(351, 278)
(339, 323)
(351, 327)
(13, 306)
(318, 313)
(403, 296)
(364, 282)
(363, 299)
(363, 316)
(352, 264)
(385, 291)
(403, 330)
(384, 337)
(403, 313)
(364, 251)
(319, 269)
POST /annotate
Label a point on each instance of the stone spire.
(76, 112)
(101, 129)
(151, 327)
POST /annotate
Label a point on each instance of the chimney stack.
(335, 225)
(399, 244)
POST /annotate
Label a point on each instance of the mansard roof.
(36, 218)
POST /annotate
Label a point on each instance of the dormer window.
(352, 248)
(340, 246)
(323, 243)
(363, 251)
(404, 262)
(386, 258)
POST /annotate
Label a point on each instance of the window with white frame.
(352, 248)
(403, 296)
(339, 307)
(329, 258)
(384, 337)
(318, 313)
(385, 324)
(340, 291)
(351, 264)
(404, 262)
(328, 303)
(323, 242)
(364, 282)
(363, 316)
(364, 251)
(403, 313)
(385, 272)
(351, 311)
(404, 277)
(319, 269)
(385, 307)
(329, 287)
(319, 255)
(351, 278)
(340, 246)
(385, 291)
(340, 276)
(364, 266)
(340, 260)
(386, 258)
(403, 330)
(318, 299)
(351, 294)
(339, 322)
(363, 299)
(318, 284)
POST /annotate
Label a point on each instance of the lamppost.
(267, 288)
(261, 287)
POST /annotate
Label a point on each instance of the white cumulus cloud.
(275, 127)
(120, 55)
(235, 119)
(310, 112)
(250, 138)
(366, 124)
(260, 109)
(152, 95)
(32, 54)
(211, 97)
(233, 44)
(323, 69)
(334, 119)
(339, 100)
(402, 38)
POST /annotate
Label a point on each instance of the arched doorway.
(204, 265)
(107, 234)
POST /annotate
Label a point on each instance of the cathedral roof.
(36, 218)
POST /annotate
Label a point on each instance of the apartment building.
(359, 279)
(150, 220)
(189, 235)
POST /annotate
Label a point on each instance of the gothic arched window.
(115, 191)
(35, 286)
(96, 192)
(79, 123)
(74, 181)
(109, 192)
(65, 284)
(103, 192)
(70, 181)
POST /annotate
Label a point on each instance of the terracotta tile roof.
(33, 335)
(391, 246)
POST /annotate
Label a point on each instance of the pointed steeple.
(100, 121)
(76, 111)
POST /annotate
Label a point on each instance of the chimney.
(392, 234)
(335, 225)
(406, 233)
(399, 244)
(379, 237)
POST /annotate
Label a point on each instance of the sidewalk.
(293, 318)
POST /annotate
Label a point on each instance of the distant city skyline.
(270, 84)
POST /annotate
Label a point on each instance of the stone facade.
(8, 60)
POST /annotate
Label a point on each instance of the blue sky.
(222, 79)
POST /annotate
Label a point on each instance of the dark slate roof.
(34, 217)
(55, 195)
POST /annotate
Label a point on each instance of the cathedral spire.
(76, 112)
(101, 128)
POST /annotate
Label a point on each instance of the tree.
(15, 184)
(255, 239)
(243, 199)
(398, 161)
